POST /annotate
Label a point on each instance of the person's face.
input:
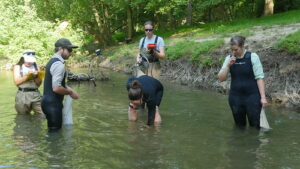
(135, 104)
(149, 30)
(236, 50)
(28, 64)
(66, 53)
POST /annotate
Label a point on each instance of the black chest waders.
(52, 103)
(244, 96)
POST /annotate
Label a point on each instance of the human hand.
(263, 102)
(35, 73)
(231, 61)
(139, 60)
(72, 94)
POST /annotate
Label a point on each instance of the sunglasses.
(70, 50)
(148, 30)
(29, 53)
(135, 108)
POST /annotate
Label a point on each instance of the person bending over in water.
(247, 89)
(144, 89)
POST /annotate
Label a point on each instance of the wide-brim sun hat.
(29, 56)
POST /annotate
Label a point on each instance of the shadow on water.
(146, 145)
(60, 148)
(244, 148)
(54, 149)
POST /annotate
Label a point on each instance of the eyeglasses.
(131, 106)
(70, 50)
(148, 30)
(29, 53)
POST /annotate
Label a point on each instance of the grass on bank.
(291, 43)
(194, 51)
(180, 42)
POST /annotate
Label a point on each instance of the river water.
(197, 132)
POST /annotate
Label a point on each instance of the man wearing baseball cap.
(54, 84)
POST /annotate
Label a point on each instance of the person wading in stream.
(27, 79)
(247, 89)
(54, 84)
(152, 48)
(148, 90)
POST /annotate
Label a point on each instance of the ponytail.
(135, 91)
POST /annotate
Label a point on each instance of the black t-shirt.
(152, 93)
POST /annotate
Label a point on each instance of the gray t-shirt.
(160, 42)
(57, 71)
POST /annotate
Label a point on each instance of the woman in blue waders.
(247, 89)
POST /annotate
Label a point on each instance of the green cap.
(63, 42)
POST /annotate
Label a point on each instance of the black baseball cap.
(65, 43)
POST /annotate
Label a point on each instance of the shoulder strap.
(21, 70)
(35, 66)
(143, 43)
(247, 55)
(156, 38)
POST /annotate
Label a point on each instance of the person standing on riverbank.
(152, 48)
(247, 90)
(27, 79)
(54, 84)
(148, 90)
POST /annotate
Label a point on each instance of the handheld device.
(151, 46)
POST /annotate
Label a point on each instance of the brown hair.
(149, 23)
(238, 40)
(21, 61)
(135, 91)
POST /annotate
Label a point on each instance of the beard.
(65, 56)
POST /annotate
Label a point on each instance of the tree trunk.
(171, 20)
(189, 12)
(97, 30)
(269, 7)
(106, 25)
(129, 21)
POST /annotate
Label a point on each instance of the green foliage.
(247, 24)
(21, 29)
(123, 51)
(119, 36)
(291, 43)
(194, 51)
(286, 5)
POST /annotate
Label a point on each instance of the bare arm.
(37, 80)
(222, 75)
(161, 53)
(261, 88)
(65, 91)
(17, 76)
(132, 114)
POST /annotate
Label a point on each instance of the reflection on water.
(197, 131)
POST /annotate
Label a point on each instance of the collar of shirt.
(59, 57)
(153, 37)
(241, 57)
